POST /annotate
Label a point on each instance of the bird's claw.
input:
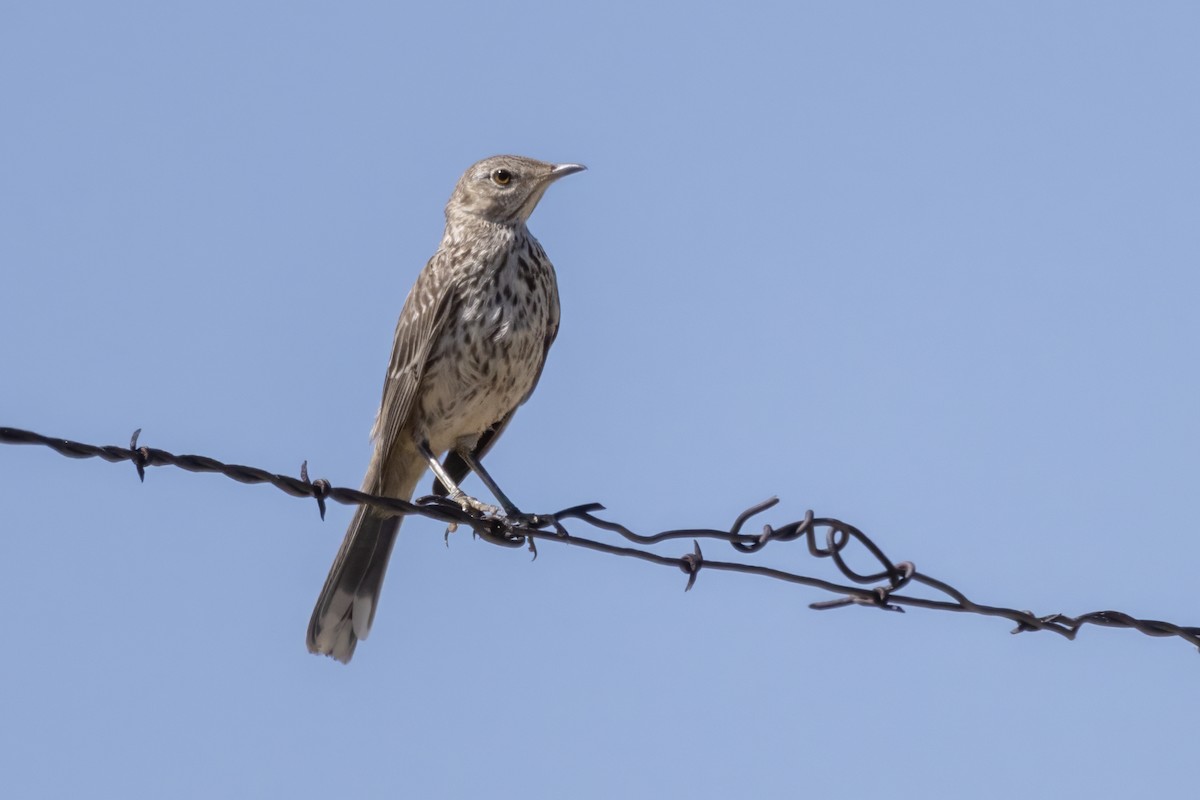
(468, 503)
(519, 519)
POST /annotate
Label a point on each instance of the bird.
(469, 348)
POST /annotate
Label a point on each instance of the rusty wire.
(838, 536)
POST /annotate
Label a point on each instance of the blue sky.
(930, 268)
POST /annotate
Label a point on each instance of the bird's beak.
(562, 170)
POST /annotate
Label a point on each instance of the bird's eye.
(502, 177)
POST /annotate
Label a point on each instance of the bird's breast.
(491, 350)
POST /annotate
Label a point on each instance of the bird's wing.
(428, 306)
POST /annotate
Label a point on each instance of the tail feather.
(347, 604)
(346, 607)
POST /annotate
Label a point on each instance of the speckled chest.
(490, 350)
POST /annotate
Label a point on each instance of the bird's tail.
(346, 606)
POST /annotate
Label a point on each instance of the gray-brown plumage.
(469, 348)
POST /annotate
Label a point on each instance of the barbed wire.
(838, 536)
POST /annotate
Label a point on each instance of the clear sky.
(931, 268)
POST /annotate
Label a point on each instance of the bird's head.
(505, 189)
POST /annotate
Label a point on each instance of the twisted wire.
(825, 537)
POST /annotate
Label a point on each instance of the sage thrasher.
(469, 348)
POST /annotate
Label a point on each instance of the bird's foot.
(519, 519)
(468, 503)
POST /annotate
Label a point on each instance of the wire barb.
(140, 455)
(691, 564)
(320, 487)
(838, 537)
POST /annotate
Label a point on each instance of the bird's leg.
(454, 493)
(471, 461)
(512, 514)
